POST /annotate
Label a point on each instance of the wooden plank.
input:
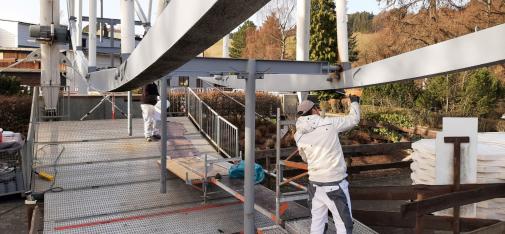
(191, 169)
(383, 193)
(349, 150)
(371, 167)
(408, 192)
(395, 219)
(497, 228)
(450, 200)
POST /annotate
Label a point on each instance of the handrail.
(220, 132)
(28, 148)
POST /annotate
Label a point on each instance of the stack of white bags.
(490, 169)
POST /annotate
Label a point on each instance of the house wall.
(8, 34)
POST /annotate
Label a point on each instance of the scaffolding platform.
(108, 182)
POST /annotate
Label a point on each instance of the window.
(199, 83)
(184, 81)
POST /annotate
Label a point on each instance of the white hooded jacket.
(319, 146)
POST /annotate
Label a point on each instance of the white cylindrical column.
(127, 28)
(128, 44)
(50, 73)
(78, 21)
(250, 146)
(342, 37)
(226, 41)
(92, 36)
(302, 36)
(161, 6)
(302, 29)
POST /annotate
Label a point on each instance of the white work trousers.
(336, 199)
(151, 123)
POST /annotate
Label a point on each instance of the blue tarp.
(237, 172)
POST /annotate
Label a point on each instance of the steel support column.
(164, 135)
(50, 56)
(92, 36)
(250, 102)
(78, 15)
(127, 44)
(302, 36)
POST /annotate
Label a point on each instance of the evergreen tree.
(323, 31)
(238, 43)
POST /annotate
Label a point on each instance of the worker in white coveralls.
(318, 144)
(151, 123)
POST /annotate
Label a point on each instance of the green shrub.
(10, 85)
(15, 113)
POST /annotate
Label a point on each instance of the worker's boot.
(149, 139)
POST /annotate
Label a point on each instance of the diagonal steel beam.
(183, 30)
(479, 49)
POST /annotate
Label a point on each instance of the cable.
(55, 169)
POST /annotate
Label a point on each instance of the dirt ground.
(13, 218)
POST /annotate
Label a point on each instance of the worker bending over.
(319, 146)
(149, 98)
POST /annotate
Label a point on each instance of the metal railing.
(29, 146)
(223, 134)
(177, 97)
(62, 111)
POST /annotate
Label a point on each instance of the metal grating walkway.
(111, 183)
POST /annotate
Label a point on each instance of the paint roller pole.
(164, 136)
(250, 103)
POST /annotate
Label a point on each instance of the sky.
(28, 10)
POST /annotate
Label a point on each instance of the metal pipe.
(127, 28)
(164, 135)
(277, 166)
(302, 29)
(92, 36)
(342, 37)
(127, 44)
(78, 15)
(250, 101)
(111, 42)
(149, 11)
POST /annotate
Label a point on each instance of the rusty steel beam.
(408, 192)
(382, 166)
(445, 201)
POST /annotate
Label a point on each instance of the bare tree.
(284, 10)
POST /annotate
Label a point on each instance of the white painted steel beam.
(188, 27)
(479, 49)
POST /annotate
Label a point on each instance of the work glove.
(354, 98)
